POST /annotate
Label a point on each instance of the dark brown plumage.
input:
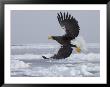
(69, 23)
(71, 27)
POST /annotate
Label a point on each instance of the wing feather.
(67, 15)
(70, 24)
(61, 16)
(64, 16)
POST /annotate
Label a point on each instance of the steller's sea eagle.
(71, 27)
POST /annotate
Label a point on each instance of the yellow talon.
(78, 50)
(50, 37)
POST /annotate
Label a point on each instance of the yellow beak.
(50, 37)
(78, 50)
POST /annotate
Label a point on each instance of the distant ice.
(35, 46)
(51, 45)
(29, 56)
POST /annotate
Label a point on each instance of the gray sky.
(31, 27)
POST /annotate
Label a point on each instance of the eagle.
(70, 25)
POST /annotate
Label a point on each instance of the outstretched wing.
(69, 23)
(63, 52)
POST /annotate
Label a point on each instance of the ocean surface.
(27, 61)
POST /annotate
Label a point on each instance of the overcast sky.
(31, 27)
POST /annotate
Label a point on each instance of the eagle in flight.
(71, 28)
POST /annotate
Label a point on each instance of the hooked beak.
(50, 37)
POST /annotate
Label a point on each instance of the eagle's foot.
(78, 49)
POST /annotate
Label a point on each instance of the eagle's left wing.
(69, 23)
